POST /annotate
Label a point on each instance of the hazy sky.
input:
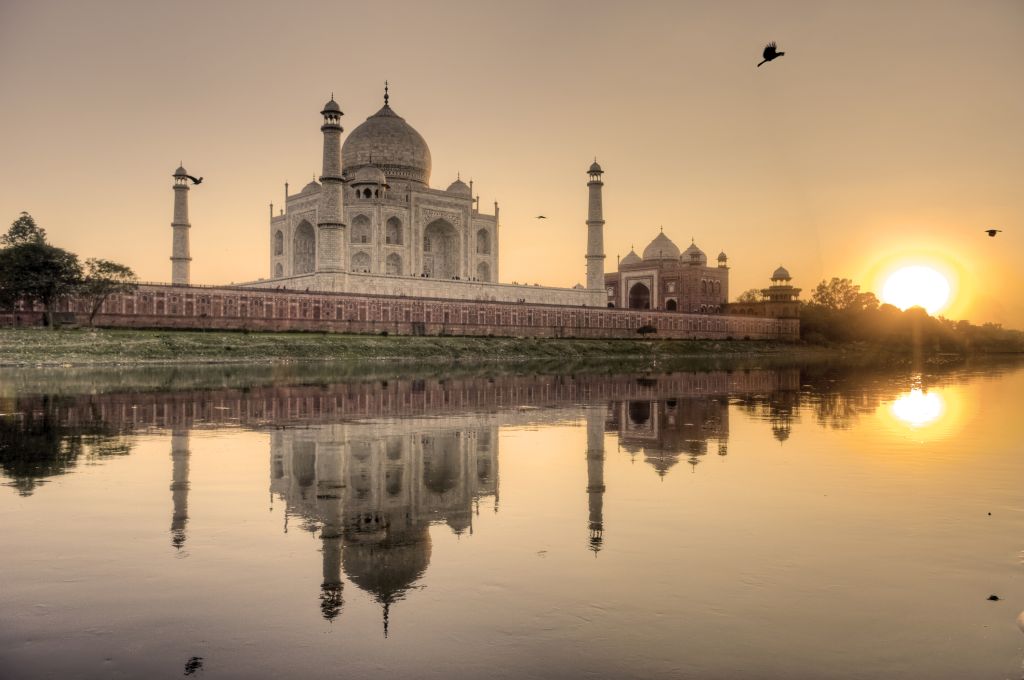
(890, 132)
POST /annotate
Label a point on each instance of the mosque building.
(666, 279)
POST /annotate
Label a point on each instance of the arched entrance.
(440, 250)
(639, 297)
(483, 271)
(303, 249)
(670, 305)
(394, 264)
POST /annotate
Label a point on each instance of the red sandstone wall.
(188, 307)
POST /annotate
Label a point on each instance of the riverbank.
(84, 347)
(123, 347)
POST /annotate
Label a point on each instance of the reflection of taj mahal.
(373, 495)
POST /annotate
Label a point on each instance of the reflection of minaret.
(595, 475)
(179, 486)
(330, 500)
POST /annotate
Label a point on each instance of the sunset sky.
(891, 133)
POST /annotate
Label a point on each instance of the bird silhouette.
(992, 232)
(541, 217)
(195, 180)
(770, 52)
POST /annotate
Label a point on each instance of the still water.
(755, 523)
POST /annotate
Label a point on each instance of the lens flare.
(917, 408)
(917, 286)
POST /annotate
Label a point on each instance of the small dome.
(631, 258)
(331, 107)
(459, 187)
(781, 274)
(180, 172)
(722, 256)
(661, 248)
(595, 168)
(694, 255)
(312, 186)
(369, 174)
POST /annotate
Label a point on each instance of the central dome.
(661, 248)
(388, 142)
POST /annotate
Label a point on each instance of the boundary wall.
(238, 308)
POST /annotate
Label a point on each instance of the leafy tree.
(843, 294)
(35, 271)
(104, 278)
(23, 230)
(750, 295)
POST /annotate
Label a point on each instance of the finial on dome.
(661, 228)
(386, 97)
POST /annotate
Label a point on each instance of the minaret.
(179, 485)
(595, 230)
(330, 241)
(595, 475)
(180, 259)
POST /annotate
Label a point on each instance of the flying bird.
(992, 232)
(195, 180)
(541, 217)
(770, 52)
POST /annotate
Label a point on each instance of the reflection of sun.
(917, 408)
(916, 286)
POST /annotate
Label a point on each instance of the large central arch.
(639, 297)
(440, 250)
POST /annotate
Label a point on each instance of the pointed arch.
(360, 231)
(304, 249)
(483, 271)
(483, 242)
(360, 262)
(440, 250)
(639, 296)
(394, 264)
(278, 242)
(393, 232)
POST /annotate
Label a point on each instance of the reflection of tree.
(34, 444)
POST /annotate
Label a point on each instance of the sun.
(916, 286)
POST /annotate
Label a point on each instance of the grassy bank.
(82, 347)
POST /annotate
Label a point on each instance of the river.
(782, 522)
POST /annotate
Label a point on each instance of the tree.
(35, 271)
(843, 294)
(750, 295)
(104, 278)
(23, 230)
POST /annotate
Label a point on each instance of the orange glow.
(917, 286)
(917, 408)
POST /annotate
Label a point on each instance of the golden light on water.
(917, 286)
(918, 408)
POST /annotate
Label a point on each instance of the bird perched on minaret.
(195, 180)
(770, 52)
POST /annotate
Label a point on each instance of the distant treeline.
(839, 312)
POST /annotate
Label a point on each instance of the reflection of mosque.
(666, 429)
(373, 490)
